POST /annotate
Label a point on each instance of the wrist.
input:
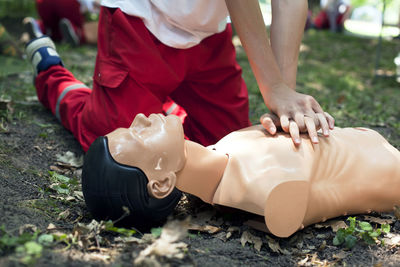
(277, 88)
(277, 91)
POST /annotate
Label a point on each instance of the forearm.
(247, 19)
(288, 20)
(274, 65)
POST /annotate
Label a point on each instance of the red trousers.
(322, 20)
(136, 73)
(52, 11)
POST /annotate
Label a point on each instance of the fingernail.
(315, 139)
(326, 132)
(272, 129)
(297, 140)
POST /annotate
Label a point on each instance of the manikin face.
(155, 144)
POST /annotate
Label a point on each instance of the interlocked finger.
(331, 120)
(324, 124)
(312, 131)
(299, 119)
(315, 119)
(294, 132)
(285, 123)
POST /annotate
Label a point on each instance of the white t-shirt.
(177, 23)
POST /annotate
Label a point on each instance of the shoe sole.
(30, 27)
(68, 32)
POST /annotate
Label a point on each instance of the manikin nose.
(142, 119)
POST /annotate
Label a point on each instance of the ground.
(44, 222)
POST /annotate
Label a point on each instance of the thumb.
(270, 122)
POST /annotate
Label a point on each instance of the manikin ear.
(161, 188)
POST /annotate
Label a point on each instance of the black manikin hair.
(108, 186)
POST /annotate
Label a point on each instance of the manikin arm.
(275, 64)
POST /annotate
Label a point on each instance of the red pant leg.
(52, 11)
(89, 114)
(64, 95)
(213, 94)
(321, 21)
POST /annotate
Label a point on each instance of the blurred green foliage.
(17, 8)
(369, 2)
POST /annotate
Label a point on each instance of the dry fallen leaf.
(252, 239)
(148, 238)
(167, 244)
(275, 247)
(303, 261)
(313, 260)
(57, 169)
(86, 230)
(392, 239)
(129, 240)
(231, 230)
(334, 224)
(70, 159)
(322, 246)
(321, 236)
(38, 148)
(341, 255)
(27, 228)
(379, 220)
(64, 215)
(297, 240)
(204, 228)
(51, 227)
(396, 211)
(78, 195)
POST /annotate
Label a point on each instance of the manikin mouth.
(162, 118)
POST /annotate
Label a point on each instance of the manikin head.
(155, 144)
(135, 167)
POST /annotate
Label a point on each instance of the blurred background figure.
(73, 21)
(8, 46)
(332, 15)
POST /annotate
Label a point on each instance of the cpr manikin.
(355, 170)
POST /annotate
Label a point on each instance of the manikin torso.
(355, 170)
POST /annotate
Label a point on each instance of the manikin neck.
(202, 172)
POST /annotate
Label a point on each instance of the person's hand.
(271, 122)
(295, 113)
